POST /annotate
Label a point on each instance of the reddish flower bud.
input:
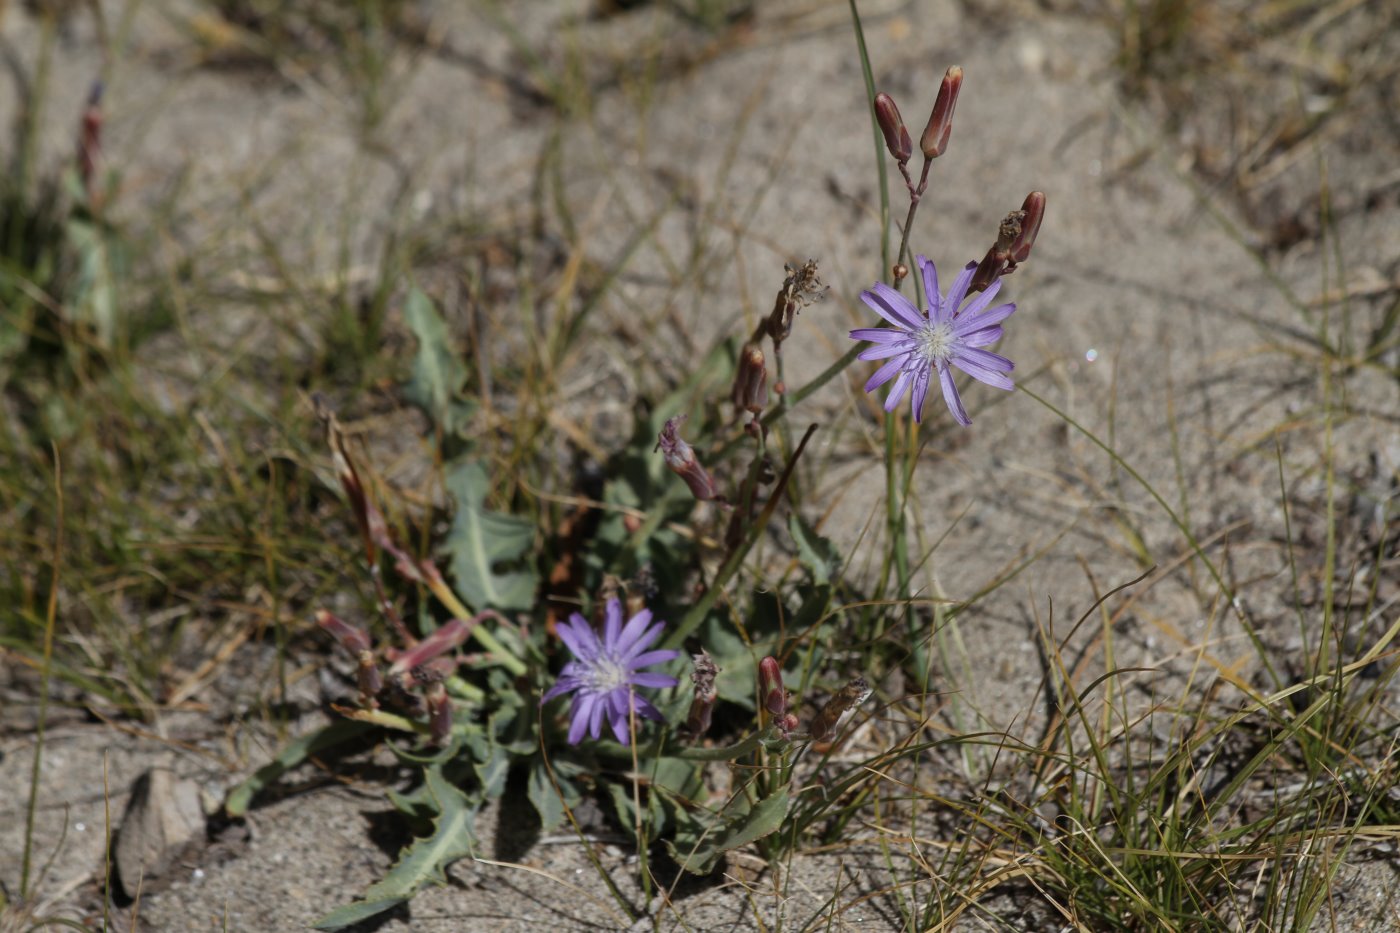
(897, 138)
(750, 391)
(1032, 213)
(770, 679)
(934, 142)
(447, 638)
(988, 270)
(682, 461)
(351, 638)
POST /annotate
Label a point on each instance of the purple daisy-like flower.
(924, 342)
(606, 671)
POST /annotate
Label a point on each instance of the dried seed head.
(697, 722)
(839, 709)
(800, 288)
(897, 138)
(934, 142)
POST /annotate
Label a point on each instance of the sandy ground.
(1140, 311)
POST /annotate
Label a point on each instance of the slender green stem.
(702, 606)
(660, 749)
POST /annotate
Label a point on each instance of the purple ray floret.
(605, 672)
(922, 343)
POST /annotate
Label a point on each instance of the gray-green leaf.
(480, 541)
(438, 374)
(424, 862)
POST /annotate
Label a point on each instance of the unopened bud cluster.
(421, 668)
(1015, 237)
(934, 140)
(1018, 231)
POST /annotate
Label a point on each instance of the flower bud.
(1032, 212)
(680, 458)
(447, 638)
(897, 138)
(351, 638)
(934, 142)
(751, 381)
(770, 680)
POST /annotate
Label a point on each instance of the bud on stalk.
(770, 679)
(897, 139)
(751, 381)
(681, 460)
(448, 637)
(934, 142)
(1032, 212)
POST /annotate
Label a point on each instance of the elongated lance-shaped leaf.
(424, 862)
(438, 373)
(290, 757)
(481, 541)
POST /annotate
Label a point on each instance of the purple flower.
(921, 343)
(606, 671)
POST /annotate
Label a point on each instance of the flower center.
(607, 673)
(934, 342)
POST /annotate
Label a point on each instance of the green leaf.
(816, 553)
(480, 541)
(438, 374)
(342, 730)
(700, 842)
(424, 862)
(546, 799)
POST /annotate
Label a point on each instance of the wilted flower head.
(924, 342)
(697, 721)
(680, 458)
(606, 671)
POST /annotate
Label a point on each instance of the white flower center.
(934, 342)
(607, 673)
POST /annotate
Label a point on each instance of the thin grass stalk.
(50, 622)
